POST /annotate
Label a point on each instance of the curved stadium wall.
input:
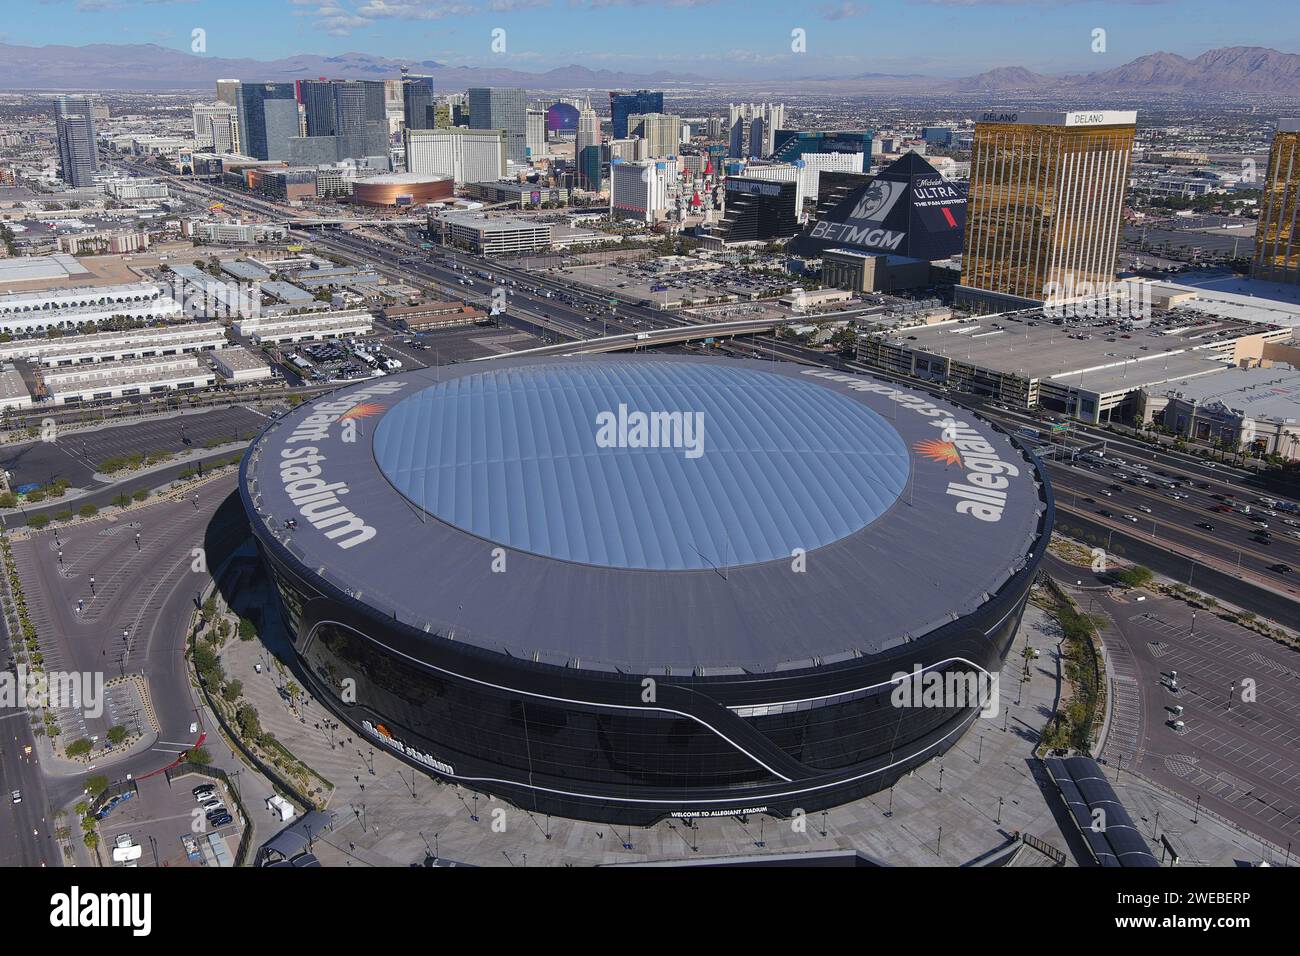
(624, 744)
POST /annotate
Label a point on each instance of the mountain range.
(147, 66)
(1227, 70)
(1234, 69)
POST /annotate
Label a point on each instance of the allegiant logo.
(983, 494)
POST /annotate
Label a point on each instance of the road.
(1232, 545)
(26, 829)
(149, 590)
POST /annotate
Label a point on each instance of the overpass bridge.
(319, 221)
(669, 336)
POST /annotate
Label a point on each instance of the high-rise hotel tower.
(1043, 214)
(1277, 237)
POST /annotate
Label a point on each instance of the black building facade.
(758, 210)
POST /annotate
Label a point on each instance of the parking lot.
(170, 826)
(647, 282)
(1238, 746)
(458, 344)
(76, 456)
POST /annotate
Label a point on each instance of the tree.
(247, 630)
(38, 521)
(845, 340)
(199, 755)
(78, 748)
(87, 510)
(233, 690)
(1135, 577)
(249, 723)
(116, 735)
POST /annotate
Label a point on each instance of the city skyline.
(840, 38)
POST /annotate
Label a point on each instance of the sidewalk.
(390, 814)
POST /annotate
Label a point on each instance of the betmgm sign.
(864, 225)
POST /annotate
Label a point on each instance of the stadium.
(619, 588)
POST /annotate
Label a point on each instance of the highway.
(1232, 547)
(569, 311)
(1232, 544)
(26, 830)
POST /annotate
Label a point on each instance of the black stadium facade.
(623, 588)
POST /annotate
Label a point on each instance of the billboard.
(908, 209)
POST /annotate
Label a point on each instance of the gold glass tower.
(1277, 237)
(1045, 200)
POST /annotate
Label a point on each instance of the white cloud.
(841, 11)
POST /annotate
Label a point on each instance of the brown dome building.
(401, 189)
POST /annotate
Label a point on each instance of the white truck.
(125, 851)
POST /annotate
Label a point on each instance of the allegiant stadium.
(620, 588)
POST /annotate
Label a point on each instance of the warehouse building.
(13, 390)
(239, 365)
(126, 379)
(1091, 372)
(112, 346)
(279, 330)
(25, 313)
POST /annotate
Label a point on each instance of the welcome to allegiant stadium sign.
(316, 498)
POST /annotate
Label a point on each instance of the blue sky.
(709, 37)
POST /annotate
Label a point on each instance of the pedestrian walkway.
(951, 811)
